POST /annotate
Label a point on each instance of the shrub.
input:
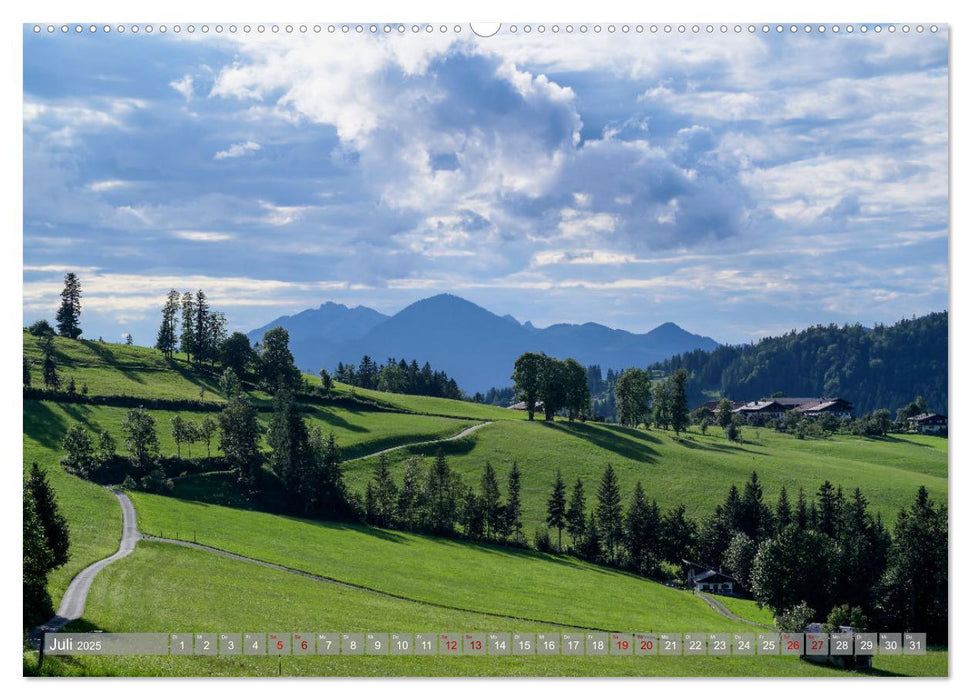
(795, 618)
(541, 540)
(40, 329)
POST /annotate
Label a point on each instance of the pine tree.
(609, 513)
(289, 443)
(408, 496)
(203, 339)
(38, 560)
(576, 514)
(441, 497)
(755, 519)
(678, 535)
(783, 511)
(187, 340)
(590, 548)
(167, 339)
(129, 340)
(69, 313)
(472, 517)
(52, 379)
(829, 510)
(331, 491)
(49, 516)
(514, 506)
(491, 502)
(635, 530)
(556, 509)
(915, 585)
(801, 518)
(385, 493)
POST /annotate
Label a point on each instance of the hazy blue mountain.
(470, 343)
(316, 335)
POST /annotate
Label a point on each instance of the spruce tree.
(408, 496)
(37, 563)
(69, 313)
(783, 511)
(51, 520)
(514, 506)
(385, 493)
(187, 339)
(556, 509)
(576, 514)
(491, 502)
(52, 378)
(167, 339)
(203, 339)
(609, 513)
(635, 531)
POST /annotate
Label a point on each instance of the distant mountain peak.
(471, 343)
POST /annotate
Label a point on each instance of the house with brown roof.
(929, 423)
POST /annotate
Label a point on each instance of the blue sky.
(738, 185)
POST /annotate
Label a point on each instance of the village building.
(705, 579)
(775, 408)
(521, 406)
(929, 423)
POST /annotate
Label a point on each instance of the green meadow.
(393, 581)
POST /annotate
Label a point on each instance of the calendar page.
(521, 349)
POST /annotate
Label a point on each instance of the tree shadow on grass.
(108, 357)
(717, 447)
(626, 442)
(331, 417)
(44, 425)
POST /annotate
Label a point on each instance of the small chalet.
(766, 409)
(929, 423)
(521, 406)
(841, 408)
(706, 580)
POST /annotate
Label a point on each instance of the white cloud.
(237, 150)
(203, 236)
(183, 86)
(105, 185)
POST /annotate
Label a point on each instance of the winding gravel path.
(76, 595)
(720, 608)
(457, 436)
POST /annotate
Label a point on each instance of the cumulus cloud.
(183, 86)
(238, 150)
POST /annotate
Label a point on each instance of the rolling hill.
(384, 580)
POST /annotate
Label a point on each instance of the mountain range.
(471, 344)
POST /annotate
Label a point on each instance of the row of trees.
(641, 400)
(560, 385)
(46, 544)
(398, 377)
(437, 501)
(199, 333)
(828, 557)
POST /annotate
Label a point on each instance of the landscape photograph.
(411, 350)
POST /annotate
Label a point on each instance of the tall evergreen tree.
(52, 522)
(590, 547)
(914, 587)
(38, 560)
(289, 442)
(755, 518)
(167, 339)
(636, 536)
(471, 515)
(69, 313)
(609, 513)
(556, 509)
(441, 497)
(52, 378)
(576, 514)
(409, 495)
(331, 492)
(385, 492)
(678, 535)
(187, 339)
(202, 337)
(783, 511)
(491, 502)
(514, 505)
(829, 510)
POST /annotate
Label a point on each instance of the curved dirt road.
(457, 436)
(76, 595)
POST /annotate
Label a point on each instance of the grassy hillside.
(696, 470)
(485, 578)
(193, 590)
(437, 584)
